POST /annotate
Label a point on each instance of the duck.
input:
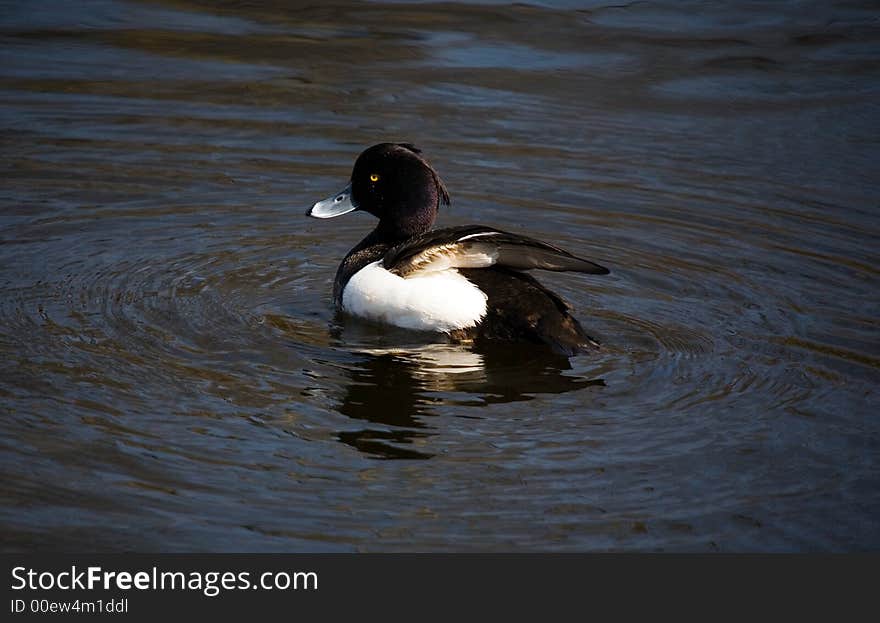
(468, 282)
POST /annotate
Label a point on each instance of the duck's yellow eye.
(374, 177)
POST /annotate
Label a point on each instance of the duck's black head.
(393, 182)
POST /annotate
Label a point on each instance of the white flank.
(432, 301)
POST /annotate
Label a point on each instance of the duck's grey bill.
(337, 205)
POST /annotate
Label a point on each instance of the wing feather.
(476, 246)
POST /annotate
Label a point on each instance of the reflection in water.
(385, 389)
(398, 387)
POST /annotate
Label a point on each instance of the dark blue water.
(173, 376)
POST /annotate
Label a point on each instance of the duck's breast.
(431, 301)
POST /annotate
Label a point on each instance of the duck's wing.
(476, 246)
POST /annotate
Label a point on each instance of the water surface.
(173, 376)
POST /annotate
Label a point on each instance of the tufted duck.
(464, 281)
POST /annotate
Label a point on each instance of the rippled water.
(173, 377)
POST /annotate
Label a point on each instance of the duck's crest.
(441, 187)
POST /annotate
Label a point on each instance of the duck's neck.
(394, 231)
(384, 235)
